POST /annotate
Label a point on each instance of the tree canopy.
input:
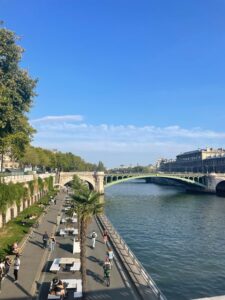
(47, 160)
(16, 97)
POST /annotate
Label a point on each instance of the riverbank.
(178, 237)
(144, 284)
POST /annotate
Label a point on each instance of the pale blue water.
(178, 237)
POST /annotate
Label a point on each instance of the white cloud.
(64, 118)
(115, 144)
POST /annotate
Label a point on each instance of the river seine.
(179, 238)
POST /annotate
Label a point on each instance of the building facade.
(9, 163)
(207, 160)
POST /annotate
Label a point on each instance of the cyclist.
(107, 270)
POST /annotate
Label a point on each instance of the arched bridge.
(200, 182)
(98, 181)
(196, 180)
(94, 179)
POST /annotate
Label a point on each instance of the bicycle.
(107, 277)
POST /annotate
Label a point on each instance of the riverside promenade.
(34, 276)
(120, 287)
(33, 259)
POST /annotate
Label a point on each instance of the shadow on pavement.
(47, 266)
(39, 244)
(95, 276)
(66, 247)
(51, 222)
(110, 294)
(94, 259)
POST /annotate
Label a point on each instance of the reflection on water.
(178, 237)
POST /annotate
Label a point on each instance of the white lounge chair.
(78, 293)
(55, 267)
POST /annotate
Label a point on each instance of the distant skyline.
(124, 82)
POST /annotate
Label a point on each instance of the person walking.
(58, 219)
(110, 255)
(7, 265)
(52, 243)
(45, 239)
(105, 236)
(2, 271)
(16, 267)
(93, 237)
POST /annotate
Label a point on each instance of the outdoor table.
(72, 229)
(71, 283)
(66, 260)
(71, 219)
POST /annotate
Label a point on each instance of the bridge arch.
(220, 189)
(186, 182)
(88, 182)
(93, 179)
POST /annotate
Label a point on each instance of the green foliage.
(49, 182)
(44, 200)
(100, 167)
(14, 230)
(16, 95)
(40, 184)
(10, 193)
(47, 160)
(31, 187)
(86, 204)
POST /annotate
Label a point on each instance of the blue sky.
(126, 81)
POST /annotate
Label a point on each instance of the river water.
(179, 238)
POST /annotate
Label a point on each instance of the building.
(207, 160)
(9, 163)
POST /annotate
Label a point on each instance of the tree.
(101, 167)
(16, 96)
(87, 205)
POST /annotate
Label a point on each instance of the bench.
(55, 265)
(62, 232)
(70, 284)
(52, 296)
(76, 247)
(75, 267)
(78, 293)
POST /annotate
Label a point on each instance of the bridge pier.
(94, 179)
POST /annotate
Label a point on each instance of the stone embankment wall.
(14, 210)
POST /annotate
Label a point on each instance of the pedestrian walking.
(16, 267)
(93, 237)
(7, 265)
(2, 270)
(105, 236)
(58, 219)
(45, 239)
(52, 243)
(110, 255)
(55, 201)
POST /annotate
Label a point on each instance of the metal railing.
(150, 282)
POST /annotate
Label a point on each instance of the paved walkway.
(120, 287)
(32, 260)
(35, 261)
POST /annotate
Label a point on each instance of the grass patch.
(15, 230)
